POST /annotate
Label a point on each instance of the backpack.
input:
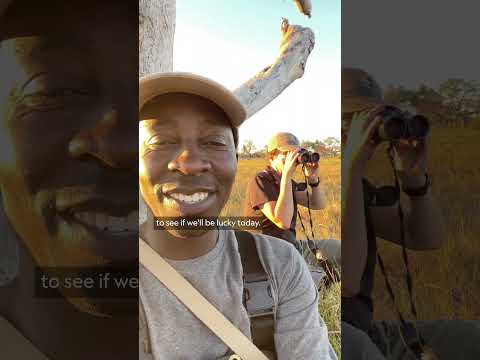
(257, 292)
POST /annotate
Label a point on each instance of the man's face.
(278, 161)
(67, 127)
(187, 158)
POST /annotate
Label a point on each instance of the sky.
(230, 41)
(410, 42)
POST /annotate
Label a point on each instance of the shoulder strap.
(198, 305)
(262, 327)
(253, 269)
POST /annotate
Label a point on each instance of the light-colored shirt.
(176, 334)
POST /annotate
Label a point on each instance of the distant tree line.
(455, 103)
(329, 147)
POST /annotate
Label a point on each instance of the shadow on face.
(187, 157)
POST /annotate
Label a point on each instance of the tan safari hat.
(154, 85)
(283, 141)
(360, 91)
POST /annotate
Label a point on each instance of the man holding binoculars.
(273, 195)
(369, 212)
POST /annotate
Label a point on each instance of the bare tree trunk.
(155, 54)
(295, 47)
(156, 33)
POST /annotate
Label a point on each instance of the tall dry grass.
(326, 225)
(446, 281)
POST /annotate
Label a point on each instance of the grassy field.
(326, 225)
(446, 281)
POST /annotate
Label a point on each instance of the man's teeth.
(190, 199)
(109, 223)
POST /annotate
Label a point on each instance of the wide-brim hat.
(283, 142)
(154, 85)
(360, 91)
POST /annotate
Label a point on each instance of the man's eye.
(159, 142)
(53, 98)
(215, 143)
(60, 93)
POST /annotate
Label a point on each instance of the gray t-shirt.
(176, 334)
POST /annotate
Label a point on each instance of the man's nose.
(109, 140)
(189, 162)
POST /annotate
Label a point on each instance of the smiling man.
(68, 170)
(188, 139)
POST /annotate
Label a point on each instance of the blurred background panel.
(424, 57)
(68, 176)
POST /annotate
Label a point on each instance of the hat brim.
(155, 85)
(359, 103)
(287, 148)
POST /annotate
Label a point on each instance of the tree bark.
(295, 47)
(156, 33)
(155, 54)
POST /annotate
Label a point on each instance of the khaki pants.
(449, 339)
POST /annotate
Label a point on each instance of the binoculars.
(308, 157)
(398, 124)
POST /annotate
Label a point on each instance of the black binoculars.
(308, 157)
(398, 124)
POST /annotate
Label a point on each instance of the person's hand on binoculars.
(312, 171)
(360, 143)
(291, 162)
(410, 158)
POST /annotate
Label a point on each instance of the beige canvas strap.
(15, 345)
(198, 305)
